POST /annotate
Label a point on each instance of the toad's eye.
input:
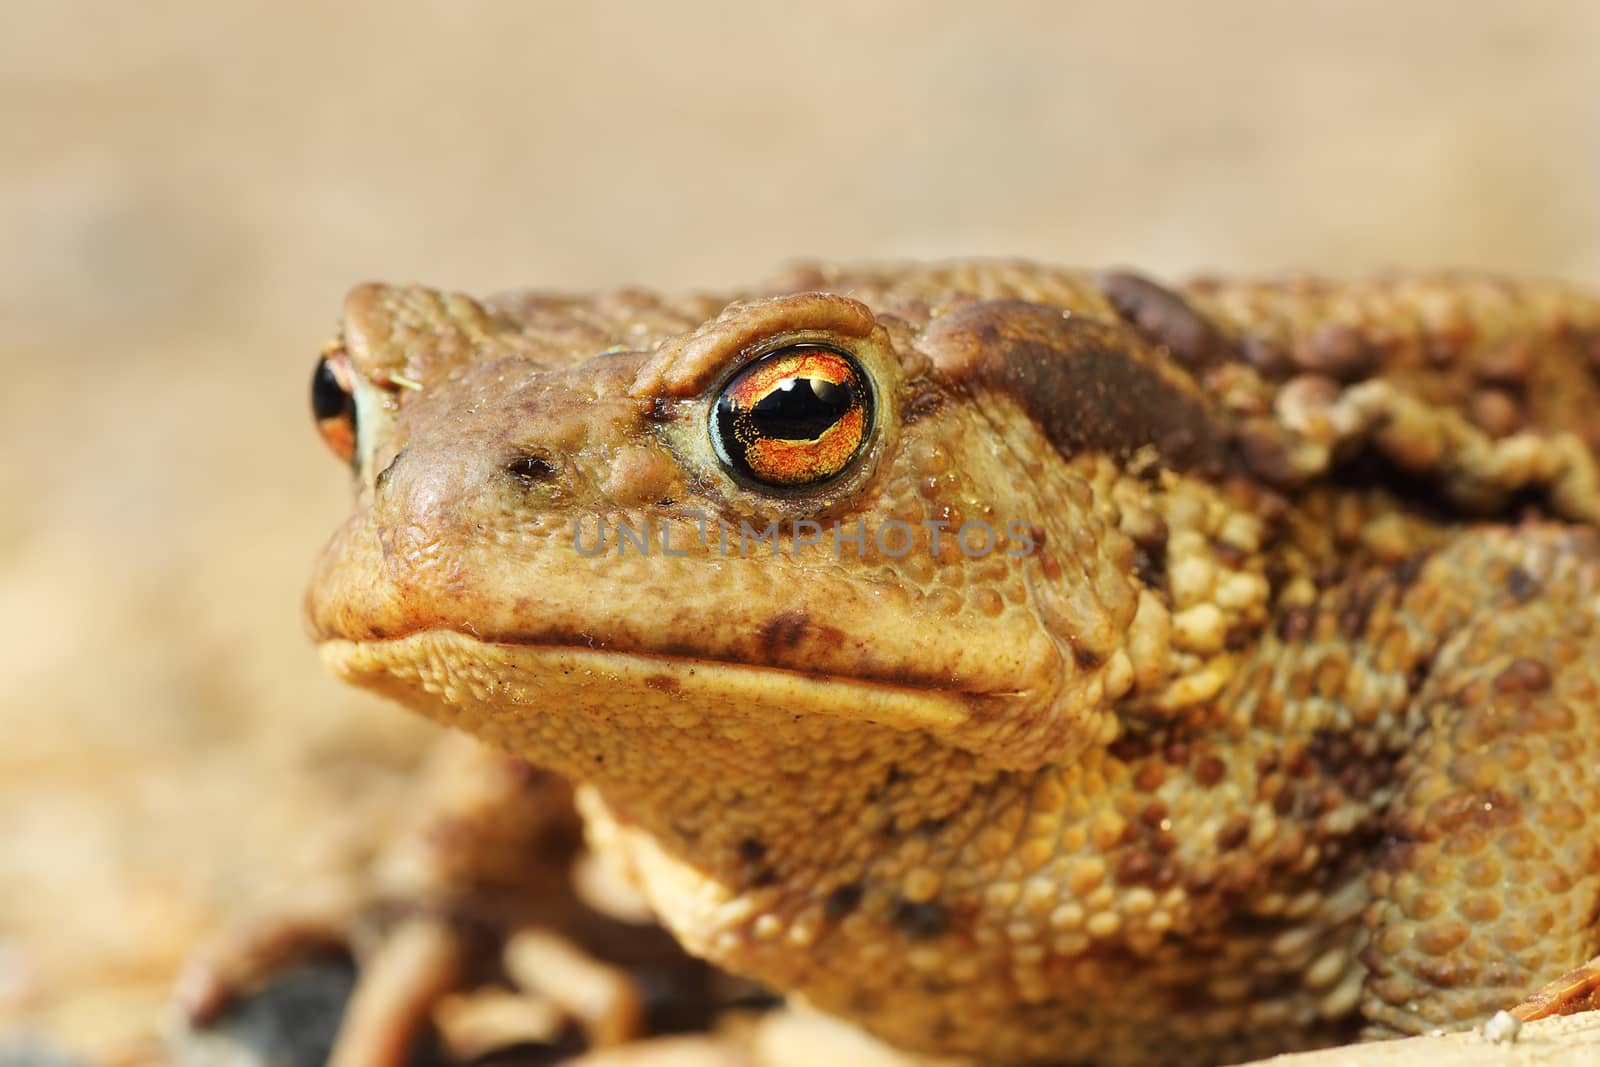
(794, 418)
(333, 403)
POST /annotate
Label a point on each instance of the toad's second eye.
(333, 403)
(793, 419)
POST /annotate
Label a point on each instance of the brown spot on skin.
(662, 683)
(1050, 566)
(1331, 753)
(1233, 833)
(1334, 571)
(1240, 877)
(1135, 868)
(1209, 771)
(842, 901)
(1164, 317)
(1419, 673)
(1339, 351)
(1357, 609)
(1329, 676)
(1471, 695)
(1166, 875)
(1523, 675)
(919, 921)
(1086, 658)
(1295, 622)
(1380, 774)
(752, 850)
(784, 631)
(1132, 747)
(1405, 572)
(1522, 586)
(1229, 555)
(1203, 875)
(1150, 565)
(1089, 386)
(1148, 778)
(1396, 855)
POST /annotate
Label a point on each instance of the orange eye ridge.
(794, 418)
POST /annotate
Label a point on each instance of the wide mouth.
(499, 677)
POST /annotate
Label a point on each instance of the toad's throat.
(494, 678)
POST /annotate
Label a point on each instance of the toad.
(1022, 663)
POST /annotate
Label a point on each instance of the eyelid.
(699, 361)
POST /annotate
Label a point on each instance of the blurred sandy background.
(186, 190)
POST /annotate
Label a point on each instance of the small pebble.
(1502, 1028)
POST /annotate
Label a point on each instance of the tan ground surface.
(186, 190)
(1569, 1042)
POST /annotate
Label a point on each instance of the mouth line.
(934, 704)
(529, 641)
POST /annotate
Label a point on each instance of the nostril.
(531, 469)
(383, 476)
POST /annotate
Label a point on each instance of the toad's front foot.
(278, 969)
(455, 939)
(1577, 990)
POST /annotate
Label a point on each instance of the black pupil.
(328, 398)
(800, 409)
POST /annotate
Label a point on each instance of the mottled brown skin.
(1284, 729)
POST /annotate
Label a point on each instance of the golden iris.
(794, 418)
